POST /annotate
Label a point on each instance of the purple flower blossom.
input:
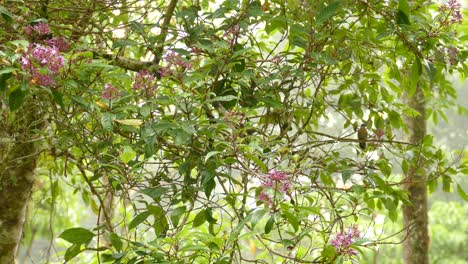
(38, 58)
(176, 59)
(265, 198)
(41, 29)
(59, 42)
(343, 241)
(145, 81)
(110, 92)
(452, 53)
(453, 9)
(278, 180)
(165, 71)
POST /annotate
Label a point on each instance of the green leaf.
(292, 219)
(211, 154)
(269, 225)
(404, 7)
(79, 100)
(116, 241)
(6, 15)
(224, 98)
(272, 102)
(416, 71)
(155, 193)
(177, 214)
(384, 167)
(127, 155)
(235, 233)
(130, 122)
(160, 221)
(446, 182)
(138, 219)
(72, 251)
(58, 98)
(257, 216)
(77, 235)
(123, 43)
(16, 99)
(462, 193)
(402, 18)
(346, 174)
(107, 120)
(328, 252)
(137, 27)
(257, 161)
(326, 13)
(199, 219)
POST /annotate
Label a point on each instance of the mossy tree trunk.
(19, 151)
(416, 245)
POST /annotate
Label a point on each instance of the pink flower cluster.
(110, 92)
(145, 81)
(40, 29)
(453, 9)
(174, 59)
(278, 180)
(59, 42)
(39, 58)
(343, 241)
(265, 198)
(232, 34)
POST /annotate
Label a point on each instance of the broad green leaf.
(292, 219)
(404, 7)
(176, 214)
(402, 18)
(327, 12)
(211, 154)
(199, 219)
(77, 235)
(107, 120)
(257, 216)
(127, 155)
(116, 241)
(269, 224)
(138, 219)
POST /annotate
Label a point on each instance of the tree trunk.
(416, 245)
(18, 159)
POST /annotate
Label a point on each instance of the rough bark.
(18, 158)
(416, 245)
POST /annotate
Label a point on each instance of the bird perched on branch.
(362, 136)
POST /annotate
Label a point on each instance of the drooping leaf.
(138, 219)
(72, 252)
(462, 193)
(116, 241)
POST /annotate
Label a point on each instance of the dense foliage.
(224, 132)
